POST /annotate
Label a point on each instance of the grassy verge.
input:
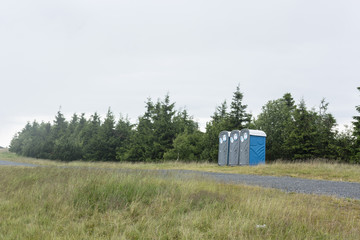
(311, 170)
(56, 203)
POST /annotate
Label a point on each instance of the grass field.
(80, 203)
(317, 169)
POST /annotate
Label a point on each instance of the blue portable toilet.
(234, 148)
(223, 155)
(252, 147)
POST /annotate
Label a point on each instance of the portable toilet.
(223, 157)
(252, 147)
(234, 148)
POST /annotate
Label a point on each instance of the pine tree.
(106, 139)
(184, 122)
(345, 142)
(164, 127)
(60, 138)
(66, 144)
(141, 142)
(17, 143)
(356, 133)
(219, 122)
(325, 133)
(289, 101)
(89, 136)
(124, 134)
(238, 117)
(221, 114)
(301, 142)
(60, 126)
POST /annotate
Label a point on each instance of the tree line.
(294, 132)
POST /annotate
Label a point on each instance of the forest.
(294, 132)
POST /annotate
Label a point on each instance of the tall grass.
(58, 203)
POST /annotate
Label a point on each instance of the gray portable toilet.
(252, 147)
(234, 148)
(223, 156)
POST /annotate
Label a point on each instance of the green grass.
(78, 203)
(317, 169)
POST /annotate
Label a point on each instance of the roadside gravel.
(287, 184)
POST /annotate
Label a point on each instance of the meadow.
(95, 203)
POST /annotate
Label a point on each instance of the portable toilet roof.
(252, 147)
(257, 133)
(234, 148)
(223, 155)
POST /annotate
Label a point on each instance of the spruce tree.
(325, 133)
(124, 134)
(301, 141)
(106, 139)
(356, 133)
(221, 113)
(89, 136)
(219, 122)
(141, 142)
(238, 117)
(164, 127)
(67, 148)
(184, 122)
(60, 126)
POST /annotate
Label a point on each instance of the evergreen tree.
(156, 131)
(73, 123)
(45, 142)
(184, 122)
(186, 147)
(164, 127)
(18, 141)
(31, 145)
(289, 101)
(219, 122)
(301, 141)
(89, 136)
(238, 117)
(345, 142)
(60, 126)
(356, 124)
(276, 120)
(107, 140)
(66, 146)
(221, 114)
(325, 133)
(124, 134)
(144, 138)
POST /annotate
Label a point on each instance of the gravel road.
(290, 184)
(287, 184)
(8, 163)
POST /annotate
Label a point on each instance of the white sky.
(86, 56)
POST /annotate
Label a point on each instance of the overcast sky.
(86, 56)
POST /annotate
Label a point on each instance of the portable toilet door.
(234, 148)
(223, 156)
(244, 147)
(252, 147)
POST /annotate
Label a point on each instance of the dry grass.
(310, 170)
(58, 203)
